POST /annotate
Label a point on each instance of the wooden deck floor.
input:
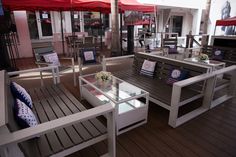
(211, 134)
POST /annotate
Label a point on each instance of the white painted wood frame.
(209, 83)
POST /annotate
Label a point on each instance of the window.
(95, 24)
(175, 24)
(76, 17)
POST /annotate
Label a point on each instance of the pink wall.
(25, 48)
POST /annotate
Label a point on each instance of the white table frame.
(133, 118)
(214, 66)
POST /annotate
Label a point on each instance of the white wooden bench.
(202, 84)
(66, 126)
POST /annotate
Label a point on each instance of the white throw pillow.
(148, 68)
(53, 58)
(88, 55)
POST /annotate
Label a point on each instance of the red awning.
(78, 5)
(134, 5)
(32, 5)
(227, 22)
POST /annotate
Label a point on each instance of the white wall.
(197, 15)
(25, 48)
(195, 4)
(215, 14)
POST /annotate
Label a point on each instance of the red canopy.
(227, 22)
(83, 5)
(134, 5)
(32, 5)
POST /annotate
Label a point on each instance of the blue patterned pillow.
(21, 94)
(176, 75)
(218, 55)
(24, 115)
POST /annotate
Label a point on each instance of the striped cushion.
(148, 68)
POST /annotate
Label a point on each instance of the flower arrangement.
(203, 57)
(103, 76)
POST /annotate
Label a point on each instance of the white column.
(25, 47)
(67, 22)
(197, 15)
(81, 16)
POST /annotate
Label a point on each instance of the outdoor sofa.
(201, 83)
(65, 125)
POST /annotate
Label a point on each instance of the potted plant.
(103, 78)
(203, 57)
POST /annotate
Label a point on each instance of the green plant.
(103, 76)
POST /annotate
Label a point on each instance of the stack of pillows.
(23, 106)
(175, 75)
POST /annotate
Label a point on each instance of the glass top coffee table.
(130, 112)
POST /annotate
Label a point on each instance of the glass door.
(44, 23)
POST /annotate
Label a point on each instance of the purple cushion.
(176, 75)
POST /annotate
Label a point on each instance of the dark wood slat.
(178, 148)
(79, 106)
(55, 145)
(61, 134)
(131, 147)
(74, 136)
(88, 152)
(158, 122)
(222, 142)
(149, 143)
(42, 142)
(201, 142)
(82, 131)
(100, 148)
(33, 144)
(92, 130)
(153, 86)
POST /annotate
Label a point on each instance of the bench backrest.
(229, 53)
(164, 65)
(39, 52)
(6, 105)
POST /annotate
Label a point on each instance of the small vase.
(104, 84)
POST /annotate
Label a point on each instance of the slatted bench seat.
(167, 96)
(157, 89)
(56, 103)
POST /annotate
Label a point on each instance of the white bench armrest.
(31, 132)
(53, 68)
(104, 60)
